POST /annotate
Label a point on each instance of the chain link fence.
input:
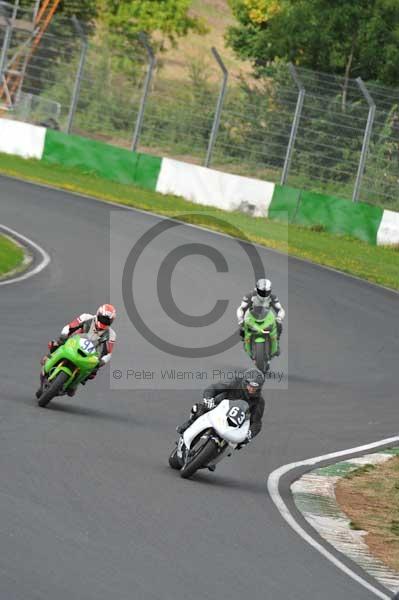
(303, 128)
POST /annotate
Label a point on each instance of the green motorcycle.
(260, 336)
(68, 366)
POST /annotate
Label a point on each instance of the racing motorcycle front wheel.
(201, 456)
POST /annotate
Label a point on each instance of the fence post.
(3, 59)
(4, 49)
(366, 138)
(219, 107)
(79, 73)
(140, 115)
(6, 43)
(36, 10)
(295, 123)
(15, 10)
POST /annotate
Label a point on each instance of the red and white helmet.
(104, 316)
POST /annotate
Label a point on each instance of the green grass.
(376, 264)
(217, 16)
(354, 526)
(360, 471)
(11, 256)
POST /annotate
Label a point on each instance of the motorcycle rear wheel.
(53, 389)
(201, 458)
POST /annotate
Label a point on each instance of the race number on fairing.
(236, 416)
(87, 345)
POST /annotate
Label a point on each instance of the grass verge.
(377, 264)
(370, 498)
(11, 256)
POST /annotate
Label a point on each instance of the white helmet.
(264, 288)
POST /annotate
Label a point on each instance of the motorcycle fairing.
(216, 419)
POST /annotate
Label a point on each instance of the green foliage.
(351, 38)
(383, 160)
(84, 10)
(170, 18)
(181, 122)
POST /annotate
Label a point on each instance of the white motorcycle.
(209, 438)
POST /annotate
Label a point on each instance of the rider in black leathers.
(248, 387)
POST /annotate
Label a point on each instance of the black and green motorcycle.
(260, 336)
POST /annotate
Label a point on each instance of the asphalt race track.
(89, 509)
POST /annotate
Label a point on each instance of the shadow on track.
(203, 478)
(93, 413)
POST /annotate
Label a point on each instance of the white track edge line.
(273, 482)
(163, 217)
(42, 265)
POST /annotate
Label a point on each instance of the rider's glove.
(54, 344)
(246, 441)
(209, 403)
(62, 339)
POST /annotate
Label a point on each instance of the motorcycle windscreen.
(259, 313)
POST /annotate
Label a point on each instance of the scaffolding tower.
(25, 27)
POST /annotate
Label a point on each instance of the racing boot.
(40, 390)
(276, 352)
(279, 332)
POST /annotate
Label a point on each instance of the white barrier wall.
(192, 182)
(22, 139)
(388, 231)
(214, 188)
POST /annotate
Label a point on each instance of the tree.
(84, 10)
(350, 38)
(170, 18)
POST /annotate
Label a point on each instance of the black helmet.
(264, 288)
(254, 378)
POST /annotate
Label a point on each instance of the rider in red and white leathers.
(98, 326)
